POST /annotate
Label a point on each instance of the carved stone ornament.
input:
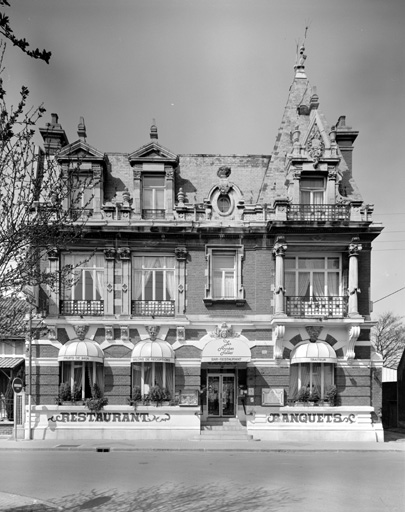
(224, 172)
(181, 253)
(181, 333)
(124, 332)
(278, 339)
(52, 334)
(137, 173)
(315, 146)
(355, 247)
(169, 174)
(280, 246)
(109, 254)
(224, 187)
(313, 332)
(153, 331)
(124, 253)
(53, 254)
(354, 333)
(332, 173)
(224, 331)
(81, 331)
(109, 332)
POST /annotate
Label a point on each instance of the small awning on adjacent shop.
(229, 350)
(309, 352)
(10, 362)
(156, 351)
(81, 350)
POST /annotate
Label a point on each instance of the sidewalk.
(395, 441)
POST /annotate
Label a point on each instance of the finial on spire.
(300, 58)
(153, 130)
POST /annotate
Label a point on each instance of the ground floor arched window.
(148, 374)
(81, 376)
(314, 376)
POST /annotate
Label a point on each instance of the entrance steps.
(223, 429)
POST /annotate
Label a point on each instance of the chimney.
(345, 136)
(81, 130)
(54, 136)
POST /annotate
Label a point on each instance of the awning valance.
(81, 350)
(309, 352)
(229, 350)
(10, 362)
(157, 351)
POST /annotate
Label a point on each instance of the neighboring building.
(232, 281)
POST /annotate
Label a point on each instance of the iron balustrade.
(318, 212)
(82, 307)
(153, 214)
(153, 307)
(335, 307)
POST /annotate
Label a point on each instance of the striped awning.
(81, 350)
(10, 362)
(309, 352)
(158, 351)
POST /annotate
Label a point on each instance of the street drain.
(102, 450)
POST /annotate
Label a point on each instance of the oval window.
(224, 203)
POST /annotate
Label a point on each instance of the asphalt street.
(204, 481)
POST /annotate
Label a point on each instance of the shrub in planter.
(314, 396)
(156, 394)
(64, 394)
(97, 401)
(76, 394)
(136, 396)
(303, 395)
(331, 395)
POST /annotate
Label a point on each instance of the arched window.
(312, 367)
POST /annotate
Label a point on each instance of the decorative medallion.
(313, 331)
(181, 253)
(81, 331)
(315, 146)
(224, 331)
(153, 331)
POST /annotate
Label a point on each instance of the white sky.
(215, 75)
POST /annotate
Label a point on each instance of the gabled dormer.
(83, 167)
(153, 173)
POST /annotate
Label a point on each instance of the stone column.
(137, 175)
(124, 254)
(109, 285)
(354, 249)
(180, 275)
(279, 248)
(169, 172)
(53, 292)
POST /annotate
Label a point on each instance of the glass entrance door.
(221, 395)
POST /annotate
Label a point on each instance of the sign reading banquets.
(304, 417)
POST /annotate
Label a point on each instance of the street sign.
(17, 385)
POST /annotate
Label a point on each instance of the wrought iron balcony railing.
(153, 307)
(153, 214)
(318, 212)
(302, 307)
(82, 307)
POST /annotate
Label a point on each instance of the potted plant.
(64, 394)
(156, 394)
(136, 396)
(97, 401)
(314, 397)
(331, 396)
(303, 396)
(76, 394)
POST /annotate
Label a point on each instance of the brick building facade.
(232, 282)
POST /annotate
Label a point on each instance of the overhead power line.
(389, 295)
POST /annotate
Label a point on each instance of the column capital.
(355, 247)
(280, 246)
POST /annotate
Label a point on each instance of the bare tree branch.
(388, 337)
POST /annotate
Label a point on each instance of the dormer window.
(312, 190)
(153, 195)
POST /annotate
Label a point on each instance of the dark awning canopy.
(10, 362)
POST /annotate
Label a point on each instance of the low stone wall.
(311, 424)
(114, 422)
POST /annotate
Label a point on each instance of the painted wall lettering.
(311, 418)
(107, 417)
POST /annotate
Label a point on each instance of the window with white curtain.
(311, 277)
(148, 374)
(87, 278)
(82, 375)
(153, 190)
(224, 274)
(314, 376)
(153, 278)
(312, 191)
(81, 192)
